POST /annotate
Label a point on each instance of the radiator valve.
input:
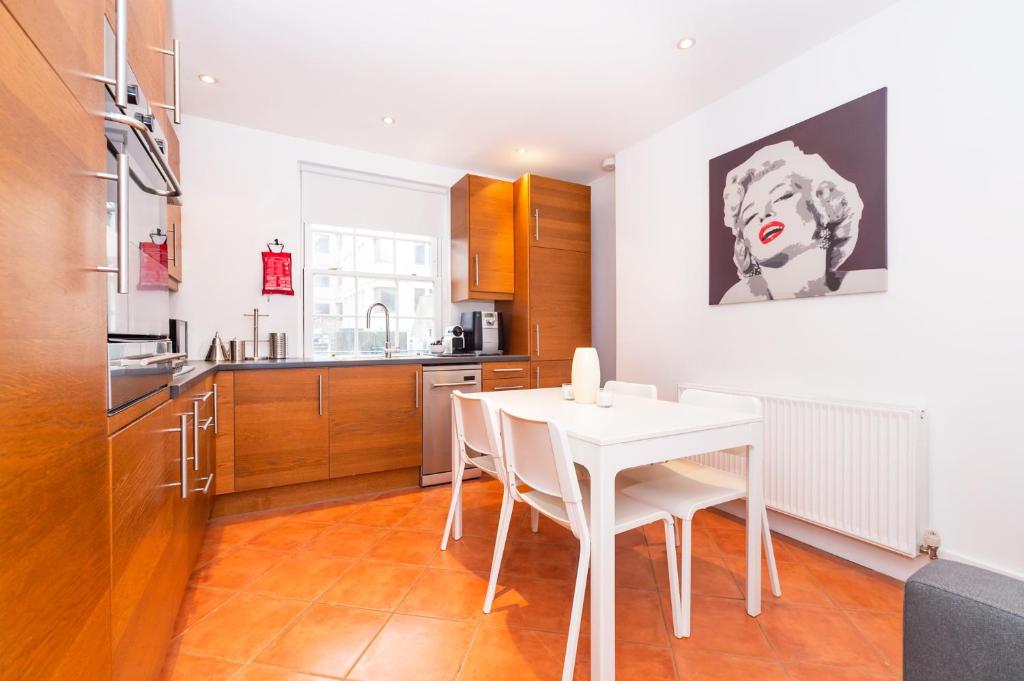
(930, 544)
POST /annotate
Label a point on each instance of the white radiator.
(859, 469)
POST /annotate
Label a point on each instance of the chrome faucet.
(388, 348)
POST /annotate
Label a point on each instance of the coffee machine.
(485, 332)
(454, 341)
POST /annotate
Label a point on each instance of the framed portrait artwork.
(801, 213)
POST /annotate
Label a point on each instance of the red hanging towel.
(277, 273)
(152, 266)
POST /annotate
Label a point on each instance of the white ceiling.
(469, 81)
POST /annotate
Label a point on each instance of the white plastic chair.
(634, 389)
(684, 487)
(537, 454)
(476, 429)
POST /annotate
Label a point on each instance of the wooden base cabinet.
(224, 431)
(281, 427)
(550, 374)
(376, 419)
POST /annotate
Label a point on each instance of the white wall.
(947, 334)
(241, 191)
(602, 272)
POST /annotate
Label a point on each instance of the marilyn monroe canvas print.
(801, 213)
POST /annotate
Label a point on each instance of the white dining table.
(636, 432)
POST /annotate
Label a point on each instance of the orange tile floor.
(359, 589)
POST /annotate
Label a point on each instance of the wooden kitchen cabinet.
(505, 375)
(281, 427)
(376, 419)
(482, 258)
(55, 506)
(559, 212)
(549, 314)
(550, 374)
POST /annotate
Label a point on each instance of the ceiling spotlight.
(686, 43)
(387, 120)
(207, 78)
(521, 151)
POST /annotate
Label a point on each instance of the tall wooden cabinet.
(281, 427)
(482, 261)
(54, 475)
(549, 314)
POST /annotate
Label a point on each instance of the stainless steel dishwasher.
(438, 383)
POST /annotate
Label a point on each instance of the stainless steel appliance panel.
(438, 384)
(138, 369)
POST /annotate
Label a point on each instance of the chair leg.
(769, 550)
(504, 519)
(576, 616)
(685, 567)
(673, 576)
(454, 508)
(534, 520)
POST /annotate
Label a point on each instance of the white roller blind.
(347, 200)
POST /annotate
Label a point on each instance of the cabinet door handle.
(216, 420)
(201, 397)
(476, 268)
(536, 342)
(320, 395)
(416, 390)
(504, 371)
(175, 54)
(195, 435)
(205, 425)
(537, 371)
(183, 440)
(536, 224)
(121, 268)
(209, 481)
(509, 387)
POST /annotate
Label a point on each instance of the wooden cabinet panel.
(561, 214)
(520, 383)
(69, 33)
(482, 259)
(148, 578)
(551, 374)
(54, 474)
(224, 436)
(559, 303)
(376, 419)
(281, 427)
(501, 370)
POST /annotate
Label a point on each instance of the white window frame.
(436, 278)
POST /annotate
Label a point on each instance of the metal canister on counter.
(278, 345)
(237, 350)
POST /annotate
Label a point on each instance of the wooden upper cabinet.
(69, 34)
(55, 506)
(482, 260)
(281, 427)
(560, 212)
(559, 303)
(376, 419)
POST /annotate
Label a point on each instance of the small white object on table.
(639, 432)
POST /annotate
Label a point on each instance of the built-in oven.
(140, 182)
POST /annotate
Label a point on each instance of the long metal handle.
(183, 429)
(216, 419)
(503, 371)
(509, 387)
(155, 152)
(121, 268)
(159, 359)
(417, 389)
(320, 394)
(449, 385)
(536, 334)
(537, 371)
(195, 436)
(175, 53)
(121, 54)
(536, 224)
(476, 267)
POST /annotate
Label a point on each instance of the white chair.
(634, 389)
(537, 454)
(684, 487)
(476, 429)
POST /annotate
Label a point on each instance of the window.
(348, 270)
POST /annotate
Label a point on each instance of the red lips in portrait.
(770, 231)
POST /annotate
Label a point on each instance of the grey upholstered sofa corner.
(962, 623)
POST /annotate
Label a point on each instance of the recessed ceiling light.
(207, 78)
(686, 43)
(521, 151)
(387, 120)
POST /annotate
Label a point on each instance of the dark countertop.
(202, 369)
